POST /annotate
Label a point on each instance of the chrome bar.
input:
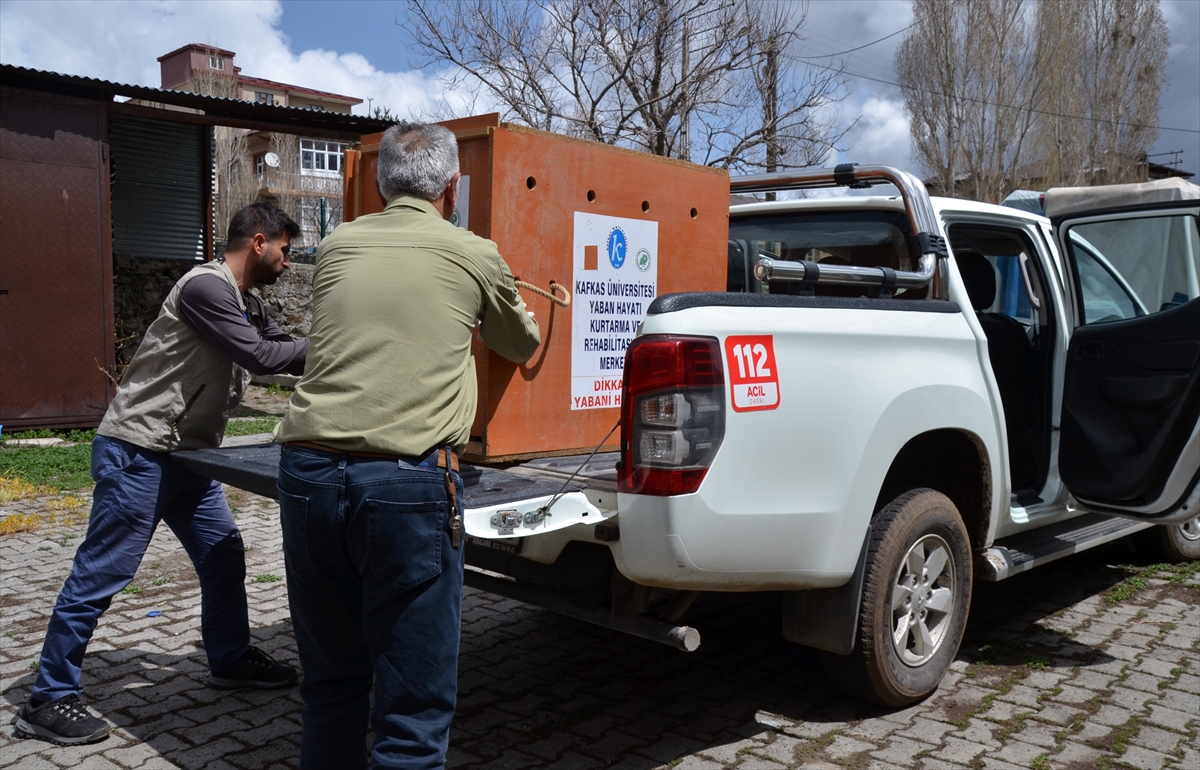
(912, 190)
(846, 275)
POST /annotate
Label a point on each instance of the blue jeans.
(135, 489)
(375, 587)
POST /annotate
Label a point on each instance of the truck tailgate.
(499, 504)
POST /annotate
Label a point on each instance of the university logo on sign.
(618, 246)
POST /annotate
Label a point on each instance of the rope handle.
(555, 286)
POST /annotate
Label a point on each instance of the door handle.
(1090, 351)
(1033, 297)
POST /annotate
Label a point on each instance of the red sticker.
(752, 372)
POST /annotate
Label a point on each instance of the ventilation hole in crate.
(694, 212)
(591, 196)
(645, 205)
(531, 183)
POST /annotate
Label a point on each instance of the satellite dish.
(271, 159)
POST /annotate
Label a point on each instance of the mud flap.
(827, 618)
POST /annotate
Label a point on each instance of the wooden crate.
(553, 205)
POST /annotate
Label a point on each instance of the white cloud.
(881, 135)
(121, 41)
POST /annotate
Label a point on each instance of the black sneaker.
(64, 721)
(255, 669)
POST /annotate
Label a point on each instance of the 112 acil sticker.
(752, 372)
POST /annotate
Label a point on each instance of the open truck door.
(1130, 430)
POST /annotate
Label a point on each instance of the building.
(303, 175)
(107, 197)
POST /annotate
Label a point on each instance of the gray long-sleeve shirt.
(252, 340)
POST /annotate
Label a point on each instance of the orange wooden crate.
(526, 189)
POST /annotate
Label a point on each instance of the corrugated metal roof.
(292, 119)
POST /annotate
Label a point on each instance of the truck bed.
(254, 468)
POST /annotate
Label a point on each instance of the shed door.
(56, 321)
(161, 177)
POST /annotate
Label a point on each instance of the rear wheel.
(1171, 542)
(916, 592)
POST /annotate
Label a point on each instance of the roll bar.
(928, 243)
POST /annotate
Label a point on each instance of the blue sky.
(355, 47)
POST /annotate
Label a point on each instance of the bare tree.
(1105, 59)
(1005, 93)
(967, 72)
(679, 78)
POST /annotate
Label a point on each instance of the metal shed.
(84, 175)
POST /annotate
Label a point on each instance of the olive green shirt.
(396, 296)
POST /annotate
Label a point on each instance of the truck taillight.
(672, 414)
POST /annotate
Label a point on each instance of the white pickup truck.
(896, 396)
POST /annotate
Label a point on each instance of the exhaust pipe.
(683, 638)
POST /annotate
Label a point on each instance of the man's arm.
(506, 327)
(209, 305)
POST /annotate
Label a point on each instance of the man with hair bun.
(370, 496)
(189, 372)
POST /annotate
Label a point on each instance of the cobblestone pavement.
(1052, 675)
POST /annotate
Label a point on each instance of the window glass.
(320, 157)
(857, 238)
(1135, 266)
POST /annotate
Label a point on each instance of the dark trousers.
(135, 489)
(375, 587)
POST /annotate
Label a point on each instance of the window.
(856, 238)
(234, 172)
(216, 62)
(1134, 266)
(260, 164)
(263, 97)
(318, 157)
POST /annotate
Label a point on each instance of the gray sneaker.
(64, 722)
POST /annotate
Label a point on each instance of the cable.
(859, 48)
(997, 104)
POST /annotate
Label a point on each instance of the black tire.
(900, 674)
(1173, 543)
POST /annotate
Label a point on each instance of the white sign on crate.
(615, 280)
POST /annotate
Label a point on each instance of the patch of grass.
(1011, 727)
(73, 436)
(131, 590)
(1124, 590)
(1038, 662)
(161, 581)
(1041, 762)
(45, 548)
(267, 578)
(1174, 574)
(19, 522)
(55, 467)
(250, 427)
(34, 666)
(278, 389)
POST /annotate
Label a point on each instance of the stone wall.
(139, 288)
(141, 285)
(289, 299)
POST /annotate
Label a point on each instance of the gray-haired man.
(369, 486)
